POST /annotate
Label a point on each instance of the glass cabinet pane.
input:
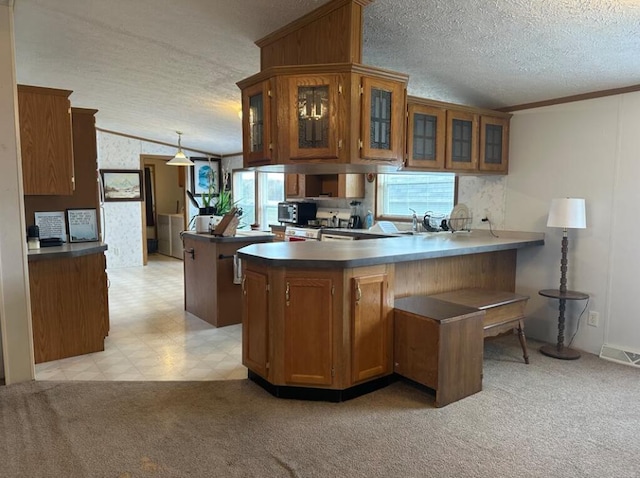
(424, 137)
(493, 144)
(313, 116)
(256, 122)
(461, 140)
(380, 134)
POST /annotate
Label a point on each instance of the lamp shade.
(180, 159)
(568, 213)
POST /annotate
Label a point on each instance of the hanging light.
(180, 159)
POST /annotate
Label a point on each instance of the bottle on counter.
(368, 220)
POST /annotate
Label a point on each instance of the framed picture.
(51, 224)
(122, 184)
(203, 173)
(82, 225)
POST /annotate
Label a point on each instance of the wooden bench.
(439, 344)
(503, 310)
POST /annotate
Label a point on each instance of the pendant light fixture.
(180, 159)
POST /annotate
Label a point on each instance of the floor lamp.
(567, 213)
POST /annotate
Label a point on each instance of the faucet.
(414, 221)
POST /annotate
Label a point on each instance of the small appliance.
(296, 212)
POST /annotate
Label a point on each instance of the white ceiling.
(152, 67)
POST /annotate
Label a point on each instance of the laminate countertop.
(74, 249)
(346, 254)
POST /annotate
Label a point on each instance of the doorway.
(164, 213)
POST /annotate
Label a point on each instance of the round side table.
(559, 351)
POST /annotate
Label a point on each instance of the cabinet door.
(494, 144)
(45, 141)
(257, 124)
(371, 328)
(293, 185)
(313, 113)
(308, 321)
(255, 322)
(462, 140)
(426, 137)
(382, 119)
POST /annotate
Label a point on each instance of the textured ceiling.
(152, 67)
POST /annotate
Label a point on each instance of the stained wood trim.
(44, 91)
(326, 68)
(124, 135)
(570, 99)
(83, 111)
(470, 109)
(310, 17)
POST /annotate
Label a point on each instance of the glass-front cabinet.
(383, 105)
(494, 144)
(462, 140)
(426, 136)
(313, 128)
(256, 124)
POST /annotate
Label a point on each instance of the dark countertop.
(75, 249)
(344, 254)
(241, 236)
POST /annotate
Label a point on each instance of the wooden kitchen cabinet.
(308, 330)
(494, 144)
(371, 327)
(46, 141)
(69, 305)
(255, 321)
(345, 186)
(462, 141)
(341, 113)
(426, 136)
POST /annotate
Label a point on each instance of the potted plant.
(225, 203)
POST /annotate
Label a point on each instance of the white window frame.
(381, 198)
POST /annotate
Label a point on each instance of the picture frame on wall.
(203, 172)
(83, 225)
(122, 184)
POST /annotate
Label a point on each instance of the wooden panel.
(229, 310)
(371, 348)
(491, 270)
(255, 323)
(85, 155)
(308, 322)
(45, 141)
(330, 34)
(69, 306)
(294, 185)
(444, 354)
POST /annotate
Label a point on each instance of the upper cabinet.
(338, 113)
(448, 137)
(46, 141)
(324, 186)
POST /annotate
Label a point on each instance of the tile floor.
(151, 336)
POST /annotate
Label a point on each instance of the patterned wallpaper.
(122, 221)
(484, 196)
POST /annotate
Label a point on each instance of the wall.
(16, 346)
(576, 149)
(123, 220)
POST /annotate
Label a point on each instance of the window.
(399, 193)
(258, 199)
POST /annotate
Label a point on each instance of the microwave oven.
(296, 212)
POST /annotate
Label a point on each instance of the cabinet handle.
(358, 294)
(287, 294)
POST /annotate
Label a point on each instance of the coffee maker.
(355, 221)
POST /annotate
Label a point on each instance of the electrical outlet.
(593, 319)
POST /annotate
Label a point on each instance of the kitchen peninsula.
(317, 316)
(211, 280)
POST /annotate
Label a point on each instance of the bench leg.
(523, 341)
